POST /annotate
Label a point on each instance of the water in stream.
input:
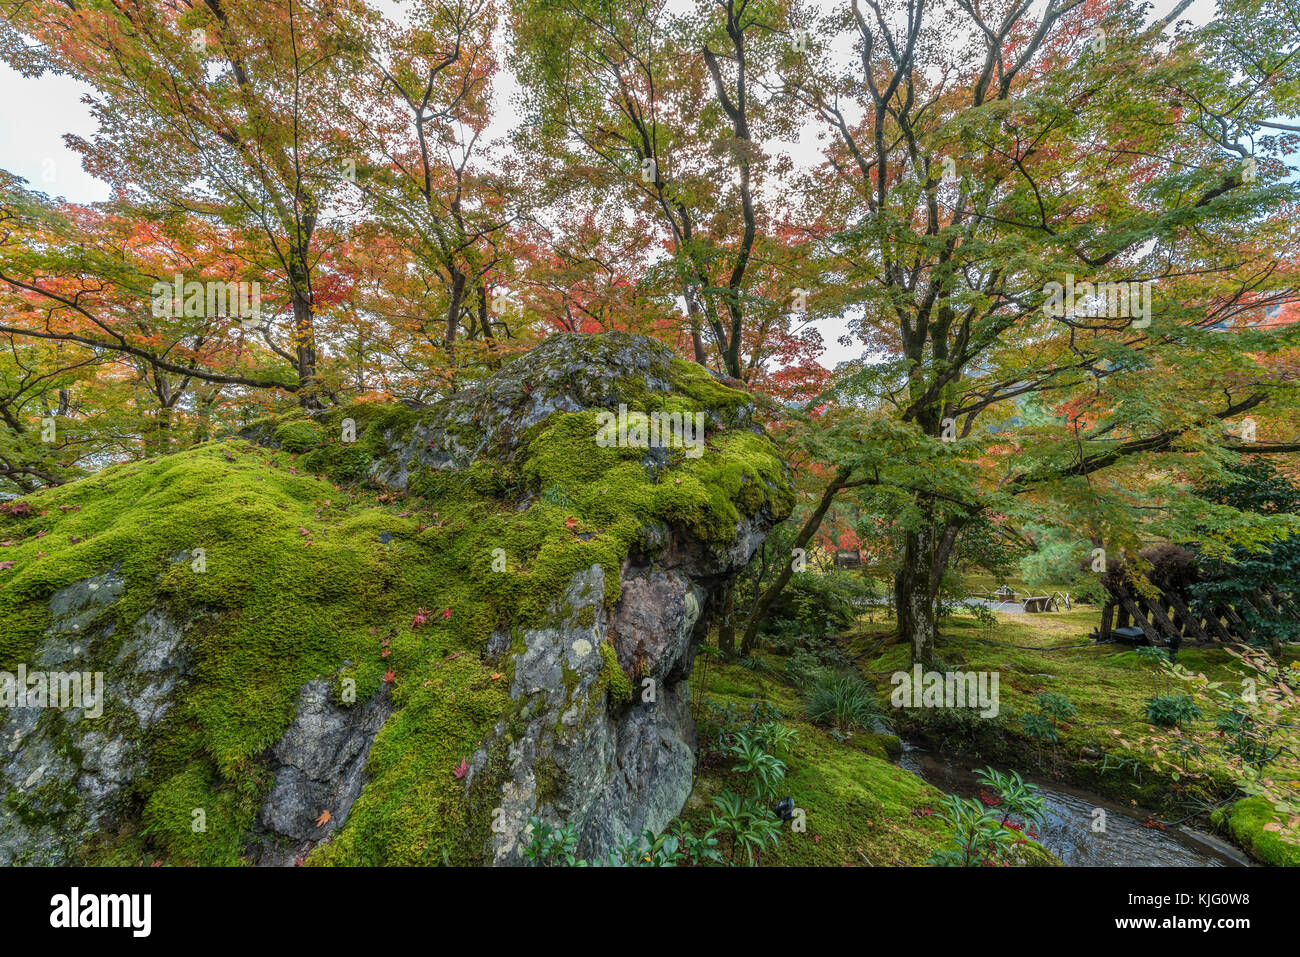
(1068, 831)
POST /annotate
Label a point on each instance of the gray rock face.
(319, 766)
(65, 772)
(566, 373)
(610, 768)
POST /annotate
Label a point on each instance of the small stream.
(1068, 831)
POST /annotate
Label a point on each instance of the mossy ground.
(861, 809)
(1250, 822)
(302, 577)
(1107, 684)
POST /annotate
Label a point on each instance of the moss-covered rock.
(1249, 823)
(392, 597)
(885, 746)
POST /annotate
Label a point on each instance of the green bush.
(1171, 710)
(818, 603)
(845, 702)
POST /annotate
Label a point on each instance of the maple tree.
(970, 156)
(964, 181)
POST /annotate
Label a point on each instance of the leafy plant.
(749, 827)
(1041, 724)
(557, 496)
(553, 846)
(766, 769)
(979, 836)
(845, 702)
(1019, 802)
(1151, 655)
(1247, 737)
(1171, 710)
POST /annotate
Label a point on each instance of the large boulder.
(381, 635)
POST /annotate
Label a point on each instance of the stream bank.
(1124, 840)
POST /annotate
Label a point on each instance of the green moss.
(860, 808)
(887, 747)
(299, 436)
(612, 675)
(695, 382)
(1033, 854)
(198, 816)
(302, 578)
(287, 570)
(551, 781)
(1054, 653)
(1247, 823)
(709, 495)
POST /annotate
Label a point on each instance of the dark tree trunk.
(453, 307)
(914, 595)
(727, 622)
(304, 338)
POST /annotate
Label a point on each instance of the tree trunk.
(727, 623)
(304, 338)
(453, 307)
(914, 594)
(697, 322)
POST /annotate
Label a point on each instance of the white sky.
(39, 112)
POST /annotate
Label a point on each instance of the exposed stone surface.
(64, 773)
(610, 769)
(563, 374)
(319, 765)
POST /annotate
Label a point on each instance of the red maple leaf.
(446, 613)
(389, 676)
(460, 770)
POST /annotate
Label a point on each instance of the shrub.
(822, 602)
(845, 702)
(1171, 710)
